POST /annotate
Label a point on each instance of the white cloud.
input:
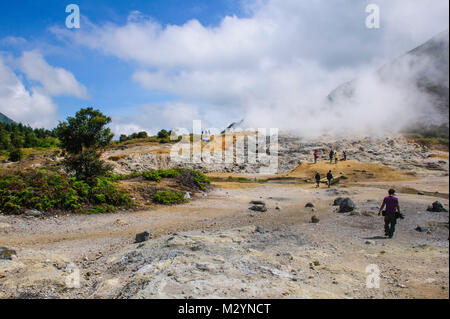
(152, 118)
(33, 107)
(56, 81)
(277, 64)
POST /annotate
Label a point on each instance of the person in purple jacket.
(391, 213)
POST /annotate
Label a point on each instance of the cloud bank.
(32, 103)
(275, 65)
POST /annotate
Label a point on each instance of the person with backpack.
(391, 214)
(336, 157)
(317, 177)
(331, 156)
(316, 155)
(345, 155)
(329, 178)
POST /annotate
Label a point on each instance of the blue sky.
(161, 64)
(31, 20)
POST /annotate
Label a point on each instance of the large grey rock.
(346, 205)
(337, 201)
(144, 236)
(436, 207)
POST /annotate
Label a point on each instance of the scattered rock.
(370, 242)
(33, 213)
(315, 219)
(346, 205)
(309, 205)
(422, 229)
(6, 253)
(436, 207)
(421, 193)
(258, 206)
(187, 195)
(144, 236)
(260, 229)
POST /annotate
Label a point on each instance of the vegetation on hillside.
(46, 190)
(14, 136)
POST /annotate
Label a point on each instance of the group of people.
(329, 178)
(333, 156)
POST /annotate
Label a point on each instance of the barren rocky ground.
(216, 247)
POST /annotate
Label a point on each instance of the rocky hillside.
(396, 152)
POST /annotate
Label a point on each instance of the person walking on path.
(317, 177)
(345, 155)
(329, 178)
(316, 155)
(391, 213)
(336, 157)
(331, 156)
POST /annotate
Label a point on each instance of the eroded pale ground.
(209, 248)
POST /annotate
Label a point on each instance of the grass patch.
(168, 197)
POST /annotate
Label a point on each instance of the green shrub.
(200, 179)
(168, 197)
(152, 176)
(46, 190)
(101, 209)
(169, 173)
(16, 155)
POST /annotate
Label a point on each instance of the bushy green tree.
(16, 155)
(83, 137)
(163, 134)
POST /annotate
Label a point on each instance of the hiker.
(315, 157)
(345, 156)
(317, 177)
(336, 157)
(391, 213)
(329, 178)
(331, 156)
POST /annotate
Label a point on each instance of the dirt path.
(413, 265)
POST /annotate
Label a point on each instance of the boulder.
(311, 205)
(141, 237)
(338, 201)
(315, 219)
(436, 207)
(346, 205)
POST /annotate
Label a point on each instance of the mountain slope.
(5, 119)
(425, 67)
